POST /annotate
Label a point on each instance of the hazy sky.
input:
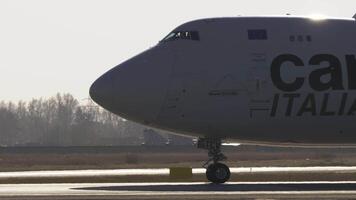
(49, 46)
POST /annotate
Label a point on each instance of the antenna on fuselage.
(354, 16)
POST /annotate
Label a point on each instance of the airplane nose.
(101, 91)
(140, 85)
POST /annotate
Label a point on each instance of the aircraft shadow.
(238, 187)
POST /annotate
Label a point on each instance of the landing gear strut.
(216, 172)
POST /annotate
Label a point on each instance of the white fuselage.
(253, 79)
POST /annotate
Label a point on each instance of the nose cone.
(140, 85)
(101, 91)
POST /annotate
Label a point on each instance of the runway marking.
(162, 171)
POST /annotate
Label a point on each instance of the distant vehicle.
(152, 138)
(177, 140)
(282, 80)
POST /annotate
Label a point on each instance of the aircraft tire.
(218, 173)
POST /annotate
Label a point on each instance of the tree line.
(62, 121)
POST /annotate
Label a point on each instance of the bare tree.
(62, 121)
(8, 125)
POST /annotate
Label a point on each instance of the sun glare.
(317, 17)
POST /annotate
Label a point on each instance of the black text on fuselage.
(317, 101)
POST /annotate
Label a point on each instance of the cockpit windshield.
(184, 35)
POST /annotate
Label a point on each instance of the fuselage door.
(186, 81)
(259, 85)
(172, 106)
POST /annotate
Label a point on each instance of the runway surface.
(163, 171)
(201, 190)
(175, 190)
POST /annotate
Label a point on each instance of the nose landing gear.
(216, 172)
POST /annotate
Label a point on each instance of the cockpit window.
(184, 35)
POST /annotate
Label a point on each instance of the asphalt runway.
(201, 190)
(175, 190)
